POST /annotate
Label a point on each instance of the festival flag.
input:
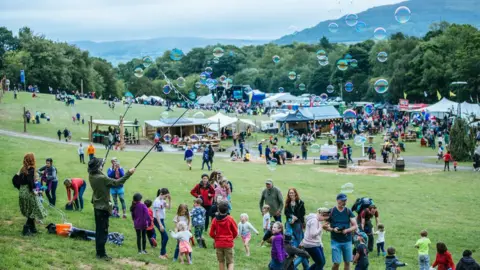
(404, 95)
(250, 97)
(452, 94)
(425, 93)
(438, 95)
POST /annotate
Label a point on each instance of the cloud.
(122, 20)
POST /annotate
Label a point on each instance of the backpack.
(16, 181)
(361, 204)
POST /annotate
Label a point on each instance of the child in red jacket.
(224, 230)
(447, 158)
(444, 259)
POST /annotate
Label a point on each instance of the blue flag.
(22, 76)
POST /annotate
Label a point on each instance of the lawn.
(443, 203)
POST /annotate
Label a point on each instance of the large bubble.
(333, 27)
(342, 64)
(380, 33)
(315, 148)
(361, 27)
(181, 82)
(209, 70)
(369, 109)
(147, 61)
(302, 87)
(359, 140)
(211, 83)
(167, 137)
(351, 19)
(272, 164)
(281, 90)
(321, 54)
(218, 52)
(323, 62)
(276, 59)
(292, 75)
(382, 57)
(164, 115)
(353, 63)
(347, 188)
(349, 113)
(176, 54)
(216, 60)
(381, 86)
(222, 78)
(204, 76)
(330, 89)
(138, 72)
(348, 57)
(323, 97)
(403, 14)
(228, 83)
(166, 89)
(199, 115)
(349, 87)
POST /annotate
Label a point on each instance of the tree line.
(416, 67)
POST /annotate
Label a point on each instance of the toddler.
(266, 218)
(361, 254)
(380, 239)
(182, 216)
(152, 236)
(278, 253)
(455, 164)
(391, 261)
(423, 245)
(198, 221)
(244, 230)
(183, 236)
(141, 221)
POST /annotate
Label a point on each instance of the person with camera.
(116, 172)
(342, 224)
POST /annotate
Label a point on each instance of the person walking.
(59, 134)
(206, 192)
(91, 152)
(206, 159)
(211, 153)
(188, 157)
(101, 185)
(313, 237)
(81, 153)
(304, 150)
(272, 196)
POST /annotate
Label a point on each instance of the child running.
(423, 245)
(141, 220)
(443, 260)
(152, 236)
(183, 236)
(161, 203)
(198, 221)
(278, 252)
(244, 230)
(380, 239)
(223, 231)
(391, 261)
(189, 156)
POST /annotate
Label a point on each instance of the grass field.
(442, 203)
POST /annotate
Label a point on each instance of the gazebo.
(296, 121)
(183, 127)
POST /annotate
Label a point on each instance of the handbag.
(16, 181)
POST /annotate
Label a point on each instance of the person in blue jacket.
(117, 172)
(260, 149)
(267, 153)
(206, 159)
(188, 157)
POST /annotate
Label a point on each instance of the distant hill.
(424, 13)
(123, 51)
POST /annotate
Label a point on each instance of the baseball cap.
(269, 181)
(341, 197)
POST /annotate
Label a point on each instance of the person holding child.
(223, 231)
(78, 186)
(141, 221)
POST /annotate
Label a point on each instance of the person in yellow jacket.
(91, 151)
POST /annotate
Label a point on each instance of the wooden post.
(90, 131)
(122, 134)
(81, 86)
(218, 133)
(24, 120)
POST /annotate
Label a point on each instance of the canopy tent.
(156, 98)
(183, 127)
(387, 106)
(96, 135)
(281, 97)
(256, 95)
(443, 106)
(322, 113)
(128, 94)
(295, 117)
(222, 121)
(205, 100)
(469, 109)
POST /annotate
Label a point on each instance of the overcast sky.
(101, 20)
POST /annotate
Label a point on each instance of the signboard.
(403, 104)
(22, 76)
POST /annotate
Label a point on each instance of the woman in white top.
(161, 203)
(312, 241)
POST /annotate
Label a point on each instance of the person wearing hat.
(78, 186)
(273, 197)
(206, 192)
(116, 172)
(101, 185)
(312, 242)
(342, 224)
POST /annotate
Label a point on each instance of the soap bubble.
(228, 83)
(349, 87)
(323, 62)
(176, 54)
(315, 148)
(403, 14)
(147, 61)
(299, 76)
(216, 60)
(353, 63)
(198, 84)
(292, 75)
(281, 90)
(181, 82)
(166, 89)
(382, 57)
(218, 52)
(138, 72)
(333, 27)
(380, 33)
(321, 54)
(209, 70)
(348, 57)
(276, 59)
(342, 64)
(272, 164)
(199, 115)
(164, 115)
(192, 95)
(381, 86)
(347, 188)
(301, 87)
(167, 137)
(359, 140)
(330, 89)
(351, 19)
(349, 113)
(369, 109)
(222, 78)
(361, 27)
(323, 96)
(211, 83)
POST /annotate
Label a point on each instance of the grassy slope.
(445, 204)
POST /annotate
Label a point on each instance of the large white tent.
(205, 100)
(281, 97)
(443, 106)
(222, 121)
(469, 109)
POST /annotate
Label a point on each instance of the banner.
(403, 104)
(22, 76)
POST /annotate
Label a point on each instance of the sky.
(109, 20)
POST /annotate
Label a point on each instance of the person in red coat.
(204, 191)
(443, 259)
(447, 158)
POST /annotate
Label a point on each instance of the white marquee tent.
(205, 100)
(281, 97)
(222, 121)
(468, 109)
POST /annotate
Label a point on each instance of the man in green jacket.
(273, 197)
(102, 206)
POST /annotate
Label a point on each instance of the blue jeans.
(341, 249)
(164, 234)
(317, 256)
(206, 162)
(90, 157)
(52, 192)
(300, 260)
(297, 233)
(424, 262)
(81, 190)
(275, 265)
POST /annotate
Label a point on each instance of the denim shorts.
(341, 249)
(117, 191)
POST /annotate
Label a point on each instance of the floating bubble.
(222, 78)
(330, 89)
(199, 115)
(323, 62)
(276, 59)
(347, 188)
(353, 63)
(218, 52)
(359, 140)
(321, 54)
(147, 61)
(382, 57)
(176, 54)
(315, 148)
(216, 60)
(292, 75)
(209, 70)
(167, 137)
(361, 27)
(166, 89)
(369, 109)
(380, 33)
(232, 53)
(272, 164)
(228, 83)
(198, 84)
(348, 57)
(192, 95)
(204, 76)
(403, 14)
(301, 87)
(281, 90)
(181, 82)
(342, 64)
(351, 19)
(381, 86)
(211, 84)
(333, 27)
(323, 96)
(164, 115)
(138, 72)
(349, 87)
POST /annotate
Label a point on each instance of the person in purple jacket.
(141, 220)
(117, 172)
(188, 156)
(278, 248)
